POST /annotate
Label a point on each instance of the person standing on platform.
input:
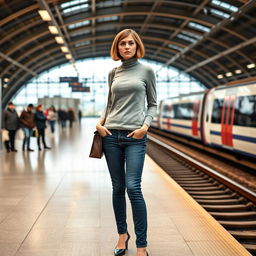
(27, 123)
(10, 122)
(52, 117)
(62, 114)
(71, 117)
(80, 115)
(40, 120)
(125, 134)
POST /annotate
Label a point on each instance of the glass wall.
(93, 73)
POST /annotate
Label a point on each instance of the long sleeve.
(151, 97)
(110, 78)
(4, 120)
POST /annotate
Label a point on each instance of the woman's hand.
(139, 133)
(102, 130)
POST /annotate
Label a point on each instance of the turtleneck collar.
(129, 63)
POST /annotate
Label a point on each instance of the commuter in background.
(52, 117)
(62, 114)
(27, 121)
(10, 122)
(40, 120)
(79, 116)
(71, 117)
(124, 135)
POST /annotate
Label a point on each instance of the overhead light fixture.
(220, 76)
(6, 80)
(229, 74)
(238, 71)
(64, 48)
(45, 15)
(252, 65)
(53, 30)
(5, 85)
(68, 56)
(59, 39)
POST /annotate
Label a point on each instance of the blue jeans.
(52, 125)
(27, 135)
(125, 159)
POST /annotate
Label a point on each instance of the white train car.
(223, 117)
(181, 115)
(229, 118)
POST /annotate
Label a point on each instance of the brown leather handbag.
(96, 148)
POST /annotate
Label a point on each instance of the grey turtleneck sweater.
(133, 82)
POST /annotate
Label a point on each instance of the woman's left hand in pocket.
(139, 133)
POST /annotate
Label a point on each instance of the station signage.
(68, 79)
(75, 84)
(81, 89)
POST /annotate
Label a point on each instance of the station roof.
(212, 40)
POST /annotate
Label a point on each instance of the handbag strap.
(109, 92)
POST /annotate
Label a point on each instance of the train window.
(182, 111)
(165, 111)
(245, 111)
(216, 111)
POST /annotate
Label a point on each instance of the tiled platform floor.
(58, 203)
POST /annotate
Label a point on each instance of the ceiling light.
(59, 39)
(252, 65)
(53, 30)
(238, 71)
(45, 15)
(229, 74)
(64, 48)
(5, 85)
(6, 80)
(68, 56)
(220, 76)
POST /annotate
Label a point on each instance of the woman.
(52, 117)
(124, 134)
(40, 120)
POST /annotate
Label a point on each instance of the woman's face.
(127, 47)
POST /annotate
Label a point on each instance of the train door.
(168, 119)
(195, 111)
(227, 120)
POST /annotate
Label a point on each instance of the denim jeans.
(27, 135)
(125, 159)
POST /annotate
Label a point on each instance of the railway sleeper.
(234, 215)
(248, 235)
(201, 185)
(238, 224)
(217, 192)
(198, 183)
(190, 179)
(222, 202)
(216, 197)
(209, 188)
(250, 247)
(236, 207)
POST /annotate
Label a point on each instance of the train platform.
(58, 202)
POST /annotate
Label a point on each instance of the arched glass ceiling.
(93, 73)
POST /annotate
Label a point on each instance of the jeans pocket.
(143, 138)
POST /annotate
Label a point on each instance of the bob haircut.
(140, 51)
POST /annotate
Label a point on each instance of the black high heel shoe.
(119, 252)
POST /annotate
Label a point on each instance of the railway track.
(231, 204)
(236, 159)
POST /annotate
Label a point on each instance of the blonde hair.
(140, 51)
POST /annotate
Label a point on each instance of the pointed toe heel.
(119, 252)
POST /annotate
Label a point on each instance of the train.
(221, 117)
